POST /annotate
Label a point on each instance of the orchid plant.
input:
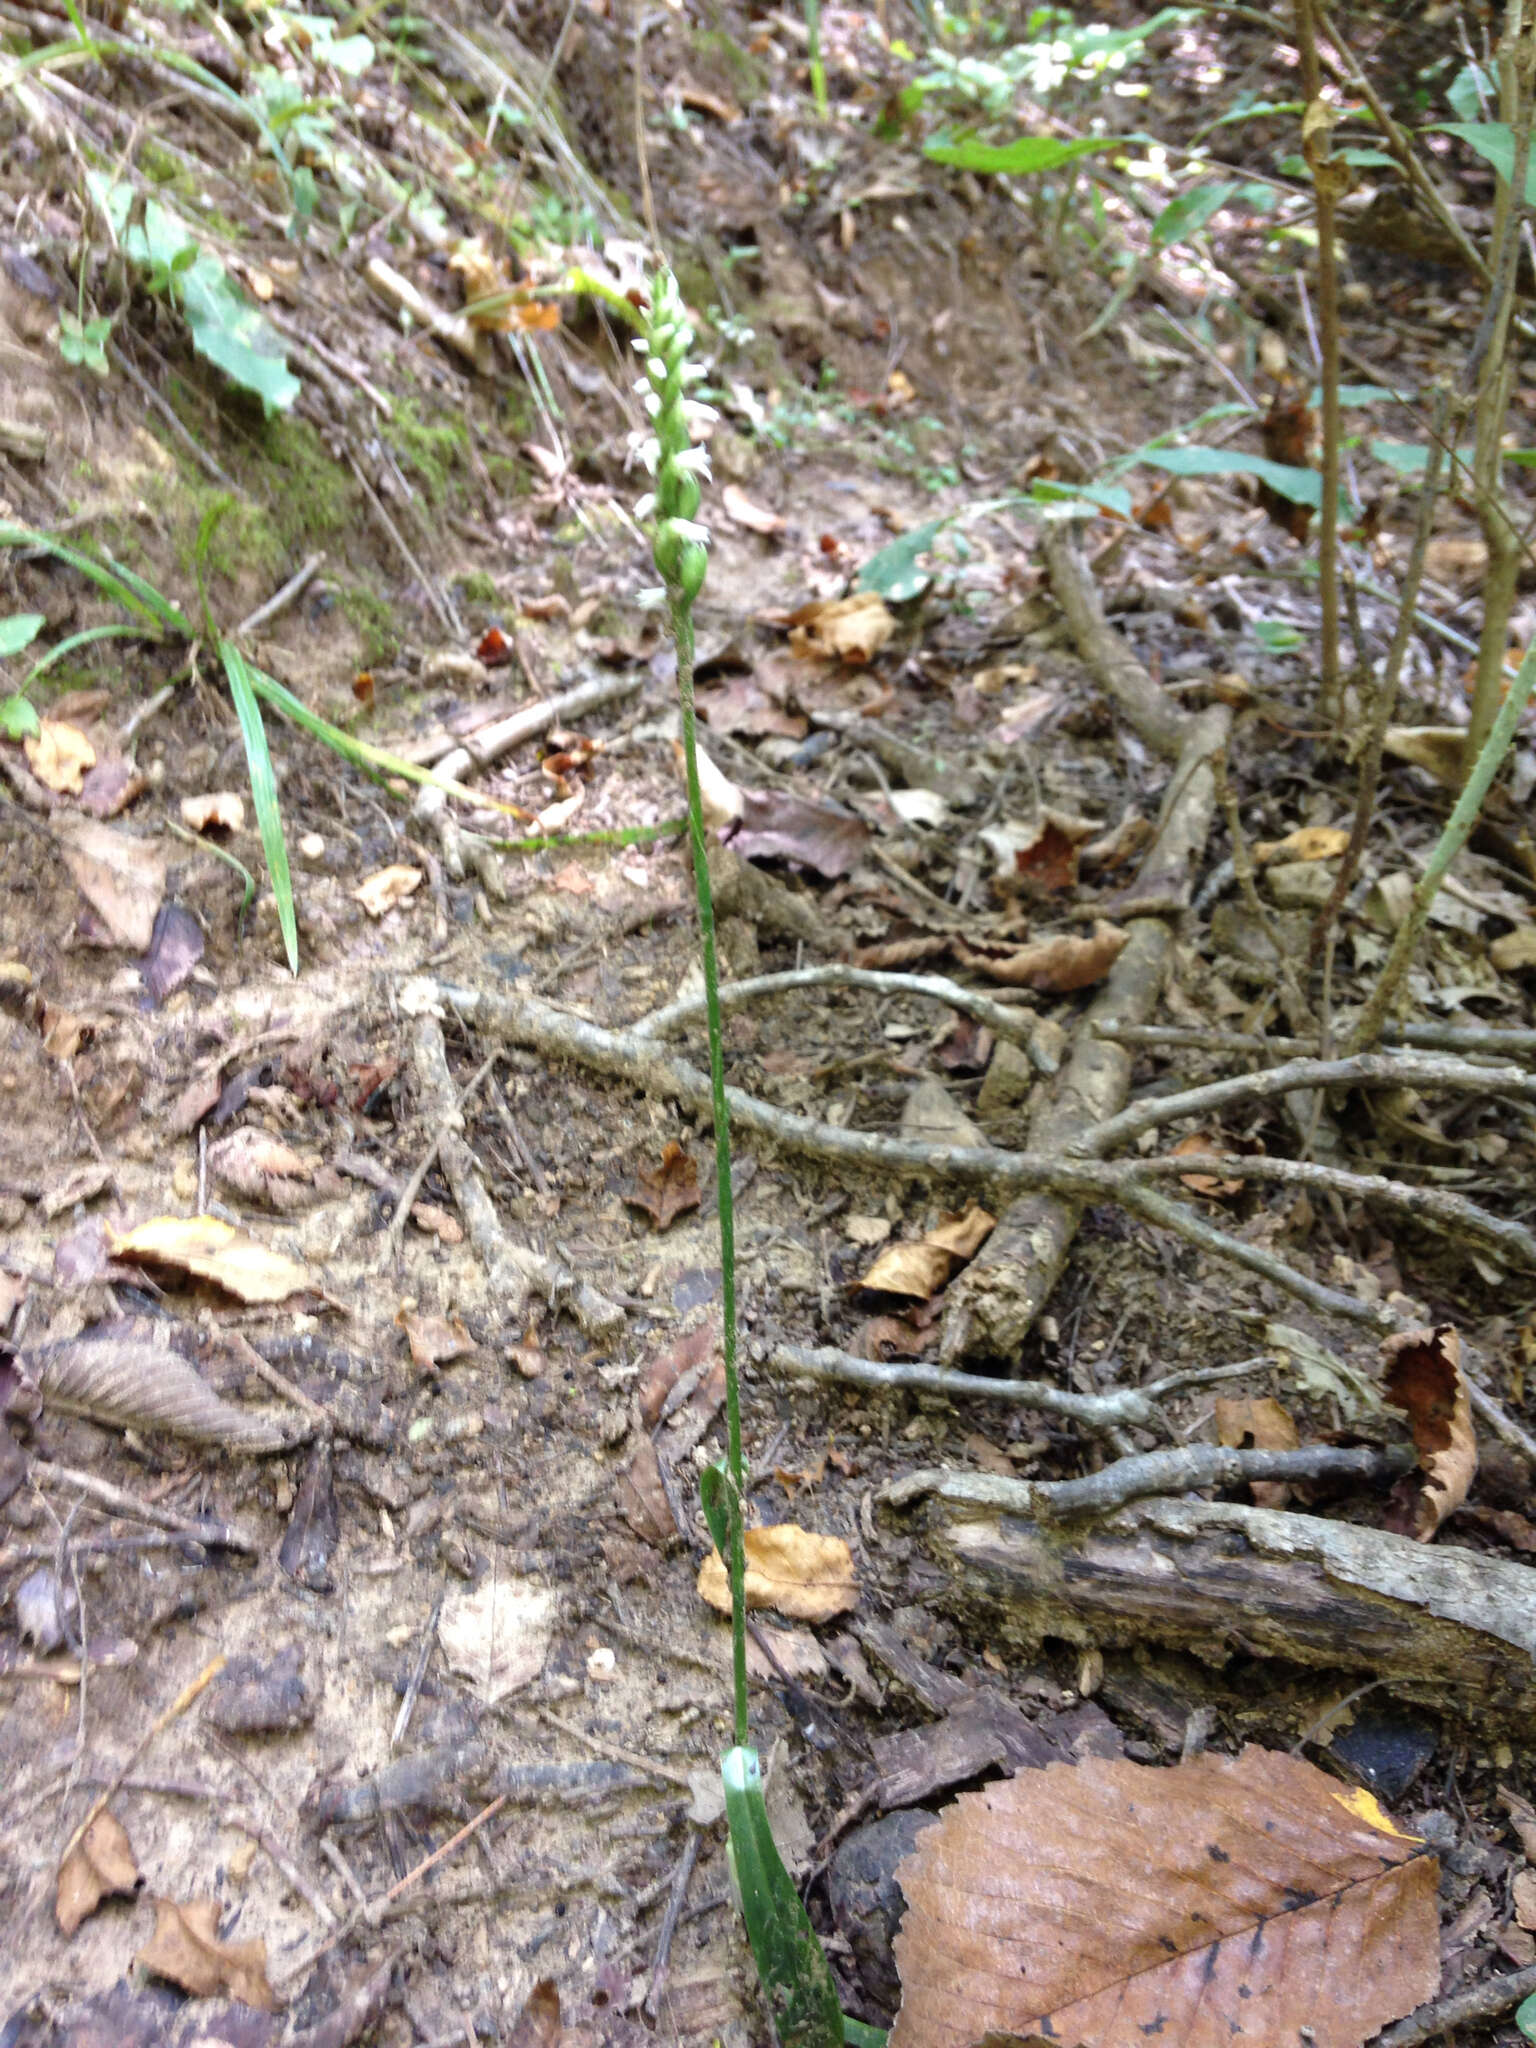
(791, 1967)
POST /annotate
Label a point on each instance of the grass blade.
(120, 584)
(84, 638)
(269, 816)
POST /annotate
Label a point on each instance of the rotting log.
(1451, 1629)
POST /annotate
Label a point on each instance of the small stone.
(1010, 1077)
(312, 846)
(1048, 1045)
(1300, 884)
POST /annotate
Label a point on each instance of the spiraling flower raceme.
(681, 540)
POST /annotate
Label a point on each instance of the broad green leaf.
(1030, 153)
(1361, 394)
(1466, 102)
(1301, 486)
(228, 330)
(1525, 2017)
(1189, 213)
(20, 630)
(1408, 458)
(1259, 110)
(18, 721)
(893, 572)
(1276, 635)
(1081, 498)
(1364, 159)
(269, 817)
(796, 1980)
(857, 2035)
(1494, 142)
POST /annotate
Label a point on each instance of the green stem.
(736, 1563)
(1458, 829)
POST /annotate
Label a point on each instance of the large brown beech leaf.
(1227, 1900)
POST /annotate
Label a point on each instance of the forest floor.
(473, 1556)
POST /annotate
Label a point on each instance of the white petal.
(653, 599)
(695, 409)
(656, 369)
(690, 529)
(652, 403)
(693, 462)
(645, 506)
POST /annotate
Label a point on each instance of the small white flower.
(641, 385)
(642, 342)
(694, 462)
(652, 599)
(656, 369)
(696, 409)
(652, 403)
(690, 529)
(650, 453)
(645, 506)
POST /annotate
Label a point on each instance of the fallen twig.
(201, 1529)
(1120, 1408)
(1185, 1468)
(1003, 1021)
(1485, 2001)
(1364, 1070)
(1492, 1039)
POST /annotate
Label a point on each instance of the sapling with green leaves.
(793, 1971)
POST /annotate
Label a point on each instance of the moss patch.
(373, 622)
(434, 451)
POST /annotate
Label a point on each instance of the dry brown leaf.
(1522, 1818)
(754, 518)
(433, 1339)
(1055, 966)
(185, 1948)
(777, 825)
(1307, 842)
(386, 888)
(1040, 856)
(1259, 1424)
(1437, 749)
(666, 1190)
(262, 1168)
(211, 1250)
(219, 810)
(919, 1268)
(1201, 1144)
(100, 1865)
(133, 1385)
(121, 877)
(1423, 1376)
(437, 1223)
(1523, 1892)
(1515, 952)
(642, 1497)
(674, 1373)
(808, 1578)
(539, 2024)
(1247, 1898)
(58, 755)
(847, 629)
(497, 1635)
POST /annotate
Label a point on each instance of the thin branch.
(1489, 2000)
(1490, 1039)
(639, 1062)
(1124, 1407)
(1186, 1468)
(1005, 1022)
(1361, 1070)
